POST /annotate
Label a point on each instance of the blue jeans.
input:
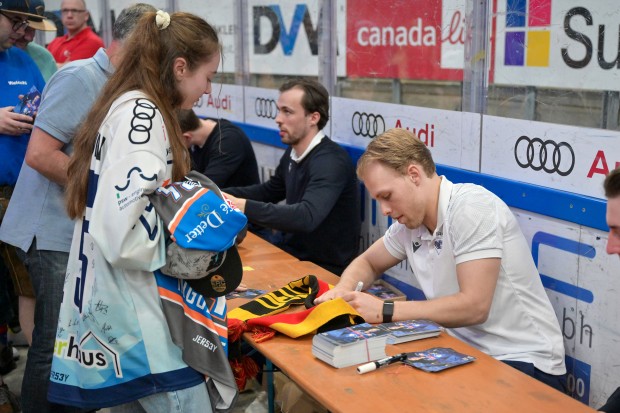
(47, 273)
(557, 382)
(191, 400)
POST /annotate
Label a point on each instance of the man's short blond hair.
(397, 149)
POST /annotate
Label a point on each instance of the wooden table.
(486, 385)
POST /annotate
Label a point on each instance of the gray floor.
(253, 400)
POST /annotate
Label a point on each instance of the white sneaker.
(15, 353)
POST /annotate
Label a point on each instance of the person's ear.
(413, 172)
(315, 117)
(180, 68)
(187, 139)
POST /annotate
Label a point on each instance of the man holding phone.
(18, 73)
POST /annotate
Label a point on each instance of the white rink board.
(225, 101)
(590, 152)
(453, 137)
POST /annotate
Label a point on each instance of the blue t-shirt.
(18, 73)
(37, 207)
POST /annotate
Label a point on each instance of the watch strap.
(388, 311)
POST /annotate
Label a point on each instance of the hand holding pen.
(374, 365)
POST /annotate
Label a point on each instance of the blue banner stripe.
(565, 288)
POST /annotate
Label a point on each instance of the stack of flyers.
(437, 359)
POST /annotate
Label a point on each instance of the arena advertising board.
(284, 37)
(224, 101)
(556, 156)
(261, 106)
(453, 137)
(557, 43)
(406, 39)
(582, 283)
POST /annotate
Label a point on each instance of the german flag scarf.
(263, 313)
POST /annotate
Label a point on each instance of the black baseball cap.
(31, 10)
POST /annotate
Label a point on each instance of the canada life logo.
(528, 37)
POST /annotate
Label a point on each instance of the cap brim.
(224, 279)
(209, 273)
(35, 21)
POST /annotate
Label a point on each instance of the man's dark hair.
(612, 184)
(316, 98)
(187, 120)
(127, 19)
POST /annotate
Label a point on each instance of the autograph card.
(29, 103)
(249, 293)
(437, 359)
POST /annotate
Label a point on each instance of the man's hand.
(238, 202)
(369, 307)
(14, 124)
(337, 291)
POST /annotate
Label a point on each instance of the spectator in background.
(37, 223)
(79, 42)
(220, 150)
(320, 221)
(612, 192)
(41, 56)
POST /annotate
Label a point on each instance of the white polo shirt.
(473, 223)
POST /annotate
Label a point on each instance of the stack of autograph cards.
(437, 359)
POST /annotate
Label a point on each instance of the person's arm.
(328, 175)
(14, 124)
(365, 268)
(45, 155)
(271, 191)
(470, 306)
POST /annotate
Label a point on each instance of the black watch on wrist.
(388, 311)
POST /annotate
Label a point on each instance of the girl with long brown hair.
(114, 347)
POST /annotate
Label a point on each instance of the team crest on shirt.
(416, 245)
(438, 244)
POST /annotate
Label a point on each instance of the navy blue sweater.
(320, 220)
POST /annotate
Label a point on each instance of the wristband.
(388, 311)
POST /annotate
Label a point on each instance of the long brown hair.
(146, 65)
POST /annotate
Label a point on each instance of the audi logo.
(548, 155)
(265, 108)
(367, 124)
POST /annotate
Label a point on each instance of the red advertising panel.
(404, 39)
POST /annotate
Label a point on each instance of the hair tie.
(162, 19)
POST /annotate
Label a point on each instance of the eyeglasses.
(72, 11)
(17, 24)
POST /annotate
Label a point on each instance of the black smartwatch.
(388, 311)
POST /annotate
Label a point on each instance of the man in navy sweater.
(320, 219)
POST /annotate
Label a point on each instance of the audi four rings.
(537, 155)
(265, 108)
(367, 124)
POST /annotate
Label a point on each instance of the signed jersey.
(113, 344)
